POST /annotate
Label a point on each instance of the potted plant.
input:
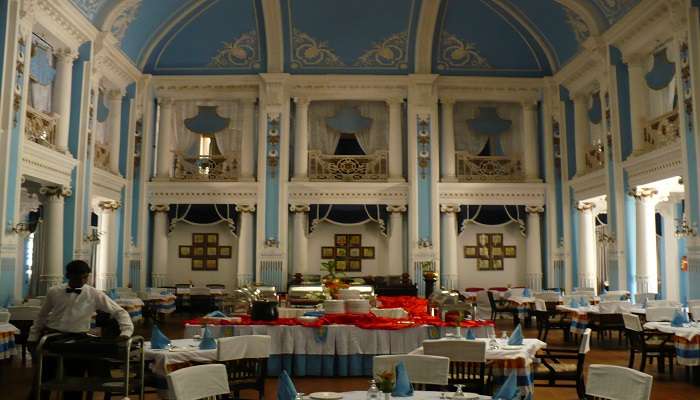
(385, 381)
(331, 280)
(427, 268)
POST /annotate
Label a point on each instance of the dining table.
(686, 339)
(7, 340)
(417, 395)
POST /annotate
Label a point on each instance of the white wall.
(514, 268)
(180, 269)
(324, 235)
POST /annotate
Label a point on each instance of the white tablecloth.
(7, 340)
(184, 351)
(687, 332)
(417, 395)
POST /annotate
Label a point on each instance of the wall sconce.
(21, 229)
(272, 242)
(273, 157)
(684, 229)
(93, 237)
(425, 243)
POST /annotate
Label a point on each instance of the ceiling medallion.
(457, 53)
(241, 52)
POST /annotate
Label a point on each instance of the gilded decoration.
(308, 51)
(613, 9)
(577, 25)
(241, 52)
(123, 20)
(457, 53)
(390, 52)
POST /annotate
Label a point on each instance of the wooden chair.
(498, 307)
(550, 319)
(245, 358)
(467, 362)
(23, 318)
(606, 323)
(650, 344)
(423, 370)
(198, 382)
(610, 382)
(553, 370)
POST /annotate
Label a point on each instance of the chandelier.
(684, 229)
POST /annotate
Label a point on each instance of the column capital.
(245, 208)
(299, 208)
(394, 101)
(449, 208)
(585, 206)
(165, 101)
(396, 209)
(302, 101)
(66, 55)
(109, 205)
(529, 105)
(56, 191)
(448, 101)
(115, 94)
(160, 208)
(534, 209)
(640, 193)
(249, 101)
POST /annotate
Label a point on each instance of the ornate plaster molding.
(109, 205)
(167, 192)
(589, 185)
(299, 208)
(585, 206)
(62, 20)
(392, 193)
(655, 165)
(449, 208)
(396, 208)
(46, 164)
(56, 191)
(245, 208)
(641, 29)
(156, 208)
(534, 209)
(489, 88)
(207, 87)
(106, 184)
(529, 194)
(112, 63)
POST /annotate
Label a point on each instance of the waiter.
(68, 310)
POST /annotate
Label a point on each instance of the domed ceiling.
(467, 37)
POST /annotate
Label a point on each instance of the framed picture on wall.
(483, 264)
(213, 238)
(341, 240)
(497, 251)
(225, 252)
(497, 264)
(509, 251)
(354, 265)
(368, 252)
(469, 251)
(341, 265)
(185, 251)
(212, 251)
(327, 252)
(197, 264)
(355, 240)
(198, 238)
(198, 251)
(355, 252)
(341, 252)
(212, 264)
(496, 239)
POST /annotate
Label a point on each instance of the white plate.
(467, 396)
(512, 347)
(307, 318)
(326, 396)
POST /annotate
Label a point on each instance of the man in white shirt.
(68, 309)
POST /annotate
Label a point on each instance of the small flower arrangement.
(385, 381)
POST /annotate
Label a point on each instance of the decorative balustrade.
(102, 156)
(324, 167)
(595, 157)
(487, 168)
(206, 168)
(41, 128)
(662, 130)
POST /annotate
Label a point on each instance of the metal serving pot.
(264, 310)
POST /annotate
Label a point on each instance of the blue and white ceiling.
(474, 37)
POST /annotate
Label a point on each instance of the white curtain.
(321, 136)
(228, 140)
(474, 142)
(40, 96)
(661, 101)
(374, 138)
(186, 141)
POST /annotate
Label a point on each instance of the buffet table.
(580, 316)
(134, 306)
(686, 340)
(7, 340)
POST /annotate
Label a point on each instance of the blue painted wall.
(663, 289)
(574, 215)
(272, 184)
(630, 236)
(623, 96)
(152, 18)
(682, 252)
(119, 219)
(425, 228)
(570, 137)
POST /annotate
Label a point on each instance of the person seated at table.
(68, 310)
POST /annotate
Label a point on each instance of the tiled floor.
(15, 377)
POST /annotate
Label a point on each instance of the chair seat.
(655, 342)
(559, 368)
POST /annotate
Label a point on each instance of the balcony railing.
(662, 130)
(487, 168)
(41, 128)
(324, 167)
(101, 156)
(206, 168)
(595, 157)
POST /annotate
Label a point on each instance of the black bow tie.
(71, 290)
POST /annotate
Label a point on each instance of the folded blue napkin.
(158, 339)
(686, 319)
(208, 342)
(285, 387)
(113, 293)
(314, 314)
(509, 389)
(471, 335)
(216, 314)
(583, 302)
(678, 319)
(403, 387)
(526, 292)
(516, 338)
(573, 303)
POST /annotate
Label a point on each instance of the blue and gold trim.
(390, 52)
(243, 51)
(458, 53)
(308, 51)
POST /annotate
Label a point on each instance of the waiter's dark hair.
(77, 267)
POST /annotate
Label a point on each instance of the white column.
(300, 252)
(55, 196)
(246, 257)
(247, 166)
(160, 245)
(581, 132)
(62, 96)
(395, 144)
(114, 98)
(165, 133)
(530, 148)
(109, 273)
(670, 243)
(447, 141)
(587, 251)
(395, 256)
(301, 139)
(449, 262)
(533, 248)
(647, 275)
(638, 99)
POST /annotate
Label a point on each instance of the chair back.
(617, 295)
(547, 296)
(492, 301)
(198, 382)
(540, 305)
(216, 286)
(33, 302)
(610, 307)
(585, 294)
(23, 313)
(617, 383)
(483, 299)
(421, 369)
(456, 350)
(632, 322)
(641, 298)
(240, 347)
(661, 313)
(695, 312)
(499, 289)
(517, 292)
(584, 290)
(473, 289)
(663, 303)
(585, 346)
